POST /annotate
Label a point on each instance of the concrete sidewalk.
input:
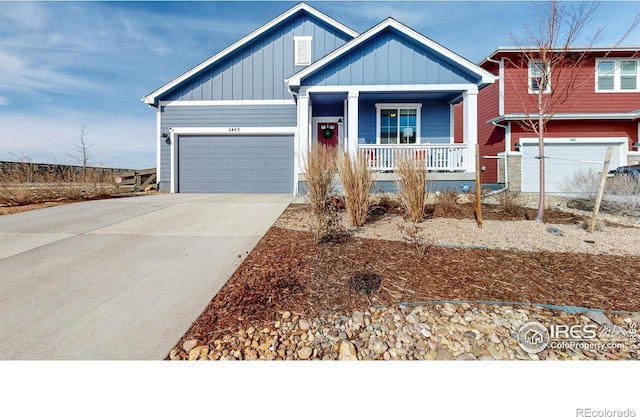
(121, 278)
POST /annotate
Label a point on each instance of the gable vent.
(302, 45)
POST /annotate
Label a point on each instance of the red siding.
(582, 128)
(584, 99)
(490, 137)
(458, 123)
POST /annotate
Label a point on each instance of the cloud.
(4, 101)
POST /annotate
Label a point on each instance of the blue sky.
(65, 65)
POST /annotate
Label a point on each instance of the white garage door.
(564, 159)
(235, 164)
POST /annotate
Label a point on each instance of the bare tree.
(553, 65)
(81, 154)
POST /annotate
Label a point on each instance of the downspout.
(506, 152)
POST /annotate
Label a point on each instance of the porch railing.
(443, 158)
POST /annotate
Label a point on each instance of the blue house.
(245, 119)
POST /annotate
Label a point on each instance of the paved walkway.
(121, 278)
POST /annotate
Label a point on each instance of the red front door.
(328, 134)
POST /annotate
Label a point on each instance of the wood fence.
(136, 181)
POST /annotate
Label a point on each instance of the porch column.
(352, 122)
(470, 123)
(303, 133)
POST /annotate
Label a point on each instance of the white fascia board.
(573, 140)
(399, 88)
(486, 77)
(595, 49)
(568, 116)
(233, 130)
(187, 103)
(150, 98)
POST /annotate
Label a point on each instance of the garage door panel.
(251, 164)
(563, 162)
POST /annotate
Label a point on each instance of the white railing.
(443, 158)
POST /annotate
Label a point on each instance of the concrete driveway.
(121, 278)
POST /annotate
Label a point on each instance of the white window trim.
(387, 106)
(547, 88)
(617, 74)
(297, 41)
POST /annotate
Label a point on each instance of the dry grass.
(510, 202)
(321, 168)
(412, 187)
(357, 181)
(621, 193)
(25, 183)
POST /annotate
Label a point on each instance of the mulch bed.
(288, 272)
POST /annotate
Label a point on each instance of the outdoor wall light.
(636, 144)
(340, 121)
(517, 146)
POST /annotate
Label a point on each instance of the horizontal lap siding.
(490, 137)
(220, 116)
(582, 128)
(584, 99)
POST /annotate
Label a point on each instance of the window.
(302, 46)
(398, 123)
(539, 77)
(605, 75)
(628, 75)
(616, 75)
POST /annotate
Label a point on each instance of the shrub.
(412, 187)
(510, 203)
(583, 184)
(621, 192)
(321, 168)
(320, 171)
(447, 204)
(415, 236)
(357, 182)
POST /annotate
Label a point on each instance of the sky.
(69, 66)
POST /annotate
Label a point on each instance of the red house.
(604, 110)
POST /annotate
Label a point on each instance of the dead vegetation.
(357, 181)
(321, 168)
(288, 272)
(412, 187)
(23, 183)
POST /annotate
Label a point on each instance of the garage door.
(235, 164)
(563, 162)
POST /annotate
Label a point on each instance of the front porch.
(436, 158)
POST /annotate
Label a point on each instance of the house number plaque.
(234, 130)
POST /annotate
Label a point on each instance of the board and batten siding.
(280, 115)
(434, 120)
(257, 71)
(389, 58)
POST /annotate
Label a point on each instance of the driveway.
(121, 278)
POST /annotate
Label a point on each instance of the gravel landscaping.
(375, 297)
